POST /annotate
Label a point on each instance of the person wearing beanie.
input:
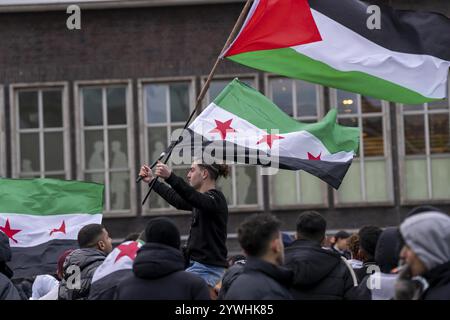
(158, 269)
(7, 289)
(426, 254)
(368, 239)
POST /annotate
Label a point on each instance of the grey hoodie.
(428, 235)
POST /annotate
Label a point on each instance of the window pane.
(52, 104)
(54, 151)
(350, 122)
(347, 102)
(416, 179)
(440, 104)
(120, 190)
(306, 99)
(246, 185)
(376, 185)
(440, 177)
(92, 103)
(157, 142)
(350, 189)
(179, 102)
(373, 137)
(413, 107)
(29, 152)
(369, 105)
(284, 190)
(94, 149)
(310, 189)
(439, 133)
(414, 134)
(118, 148)
(215, 88)
(117, 105)
(226, 185)
(282, 94)
(156, 103)
(28, 109)
(95, 177)
(154, 201)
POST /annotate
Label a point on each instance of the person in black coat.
(95, 244)
(263, 277)
(341, 244)
(319, 273)
(158, 270)
(7, 289)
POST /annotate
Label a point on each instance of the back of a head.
(163, 231)
(353, 245)
(368, 239)
(387, 251)
(311, 226)
(256, 233)
(89, 235)
(341, 235)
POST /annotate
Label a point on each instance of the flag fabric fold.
(406, 60)
(243, 123)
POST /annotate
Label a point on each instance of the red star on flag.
(60, 229)
(269, 139)
(9, 232)
(223, 128)
(312, 157)
(128, 250)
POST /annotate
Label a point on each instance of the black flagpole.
(200, 97)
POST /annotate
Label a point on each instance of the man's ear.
(101, 245)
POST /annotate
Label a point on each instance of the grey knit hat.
(428, 235)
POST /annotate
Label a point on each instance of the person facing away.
(7, 289)
(319, 273)
(79, 266)
(341, 244)
(263, 277)
(353, 246)
(426, 254)
(158, 269)
(206, 251)
(368, 239)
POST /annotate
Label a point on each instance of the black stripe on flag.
(401, 30)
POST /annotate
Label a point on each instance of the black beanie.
(163, 231)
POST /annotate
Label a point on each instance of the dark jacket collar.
(280, 274)
(438, 274)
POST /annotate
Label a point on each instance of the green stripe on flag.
(50, 196)
(292, 64)
(249, 104)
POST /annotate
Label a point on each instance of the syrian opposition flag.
(329, 42)
(243, 126)
(42, 218)
(117, 265)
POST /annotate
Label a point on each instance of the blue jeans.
(211, 274)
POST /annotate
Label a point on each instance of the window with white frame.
(302, 101)
(369, 177)
(40, 129)
(242, 187)
(2, 134)
(165, 107)
(425, 151)
(106, 142)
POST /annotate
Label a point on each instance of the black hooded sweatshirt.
(158, 274)
(319, 274)
(208, 233)
(7, 289)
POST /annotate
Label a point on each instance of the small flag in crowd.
(117, 265)
(242, 120)
(329, 42)
(42, 217)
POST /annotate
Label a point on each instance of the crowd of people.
(408, 262)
